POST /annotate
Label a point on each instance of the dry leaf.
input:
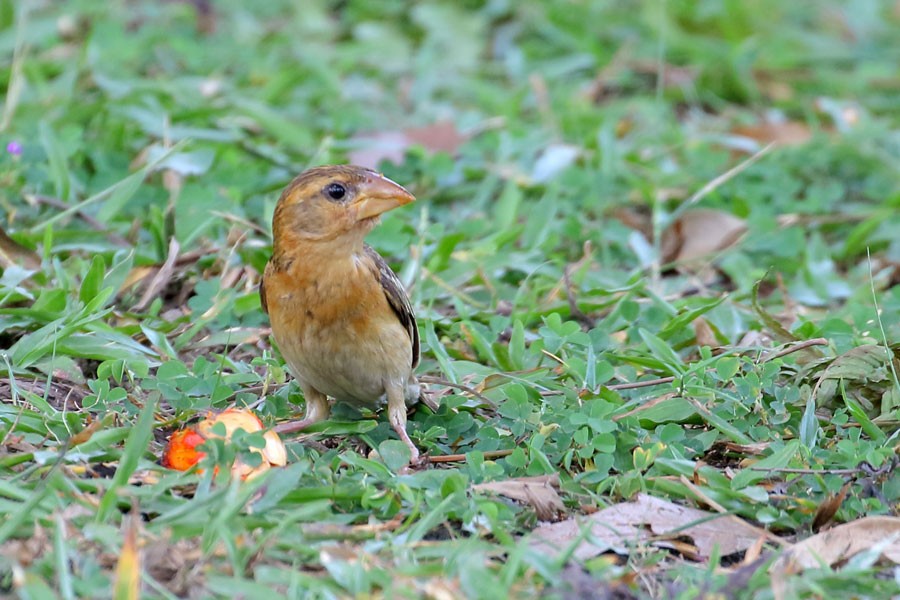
(704, 333)
(539, 492)
(755, 339)
(161, 279)
(87, 433)
(784, 133)
(843, 542)
(724, 447)
(27, 550)
(373, 148)
(441, 589)
(13, 253)
(575, 582)
(829, 507)
(698, 233)
(340, 553)
(773, 85)
(869, 369)
(174, 563)
(835, 546)
(637, 218)
(646, 517)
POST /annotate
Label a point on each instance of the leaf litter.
(539, 492)
(879, 536)
(647, 520)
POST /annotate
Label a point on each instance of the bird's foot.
(416, 458)
(418, 462)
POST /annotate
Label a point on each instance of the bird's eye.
(335, 191)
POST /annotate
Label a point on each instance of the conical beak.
(377, 195)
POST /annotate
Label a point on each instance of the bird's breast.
(336, 329)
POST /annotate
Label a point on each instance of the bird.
(339, 315)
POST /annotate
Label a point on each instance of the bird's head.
(335, 202)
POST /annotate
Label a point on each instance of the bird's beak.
(377, 195)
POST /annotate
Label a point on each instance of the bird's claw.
(417, 463)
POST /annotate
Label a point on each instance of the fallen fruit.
(182, 454)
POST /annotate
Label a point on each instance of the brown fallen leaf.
(704, 333)
(755, 338)
(867, 371)
(730, 454)
(834, 546)
(643, 520)
(442, 589)
(88, 432)
(752, 449)
(830, 506)
(638, 218)
(374, 147)
(773, 85)
(576, 582)
(174, 563)
(698, 233)
(14, 253)
(161, 279)
(845, 541)
(784, 133)
(539, 492)
(26, 551)
(140, 274)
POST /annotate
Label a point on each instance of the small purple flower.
(14, 148)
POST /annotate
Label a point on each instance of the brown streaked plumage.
(340, 315)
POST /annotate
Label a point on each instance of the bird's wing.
(397, 298)
(262, 293)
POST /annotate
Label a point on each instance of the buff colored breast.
(336, 338)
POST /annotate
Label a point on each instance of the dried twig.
(640, 384)
(490, 454)
(458, 386)
(245, 223)
(631, 385)
(87, 218)
(161, 278)
(863, 468)
(575, 312)
(795, 348)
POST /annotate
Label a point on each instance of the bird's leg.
(317, 409)
(396, 396)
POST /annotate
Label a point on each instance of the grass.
(591, 145)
